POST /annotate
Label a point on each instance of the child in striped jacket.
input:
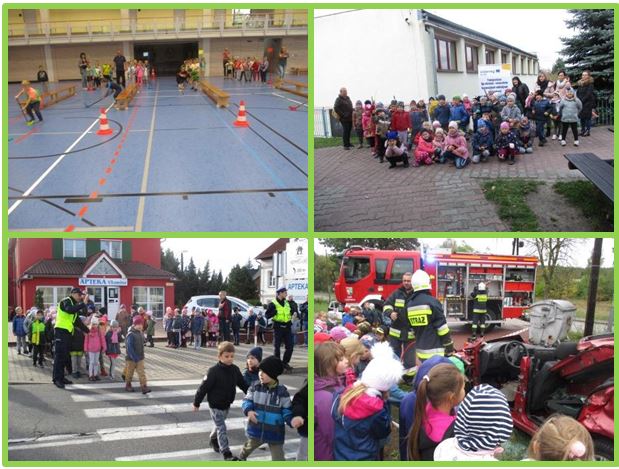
(268, 407)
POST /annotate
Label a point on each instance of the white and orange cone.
(241, 119)
(104, 127)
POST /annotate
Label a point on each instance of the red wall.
(29, 251)
(146, 250)
(28, 289)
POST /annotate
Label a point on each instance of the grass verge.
(593, 204)
(510, 196)
(327, 142)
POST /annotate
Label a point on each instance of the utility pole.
(593, 285)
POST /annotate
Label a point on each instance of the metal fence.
(605, 108)
(322, 122)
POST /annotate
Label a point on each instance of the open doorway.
(166, 57)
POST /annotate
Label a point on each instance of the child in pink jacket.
(455, 147)
(424, 150)
(94, 345)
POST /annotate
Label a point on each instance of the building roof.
(61, 268)
(432, 19)
(277, 246)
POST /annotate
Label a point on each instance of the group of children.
(465, 129)
(267, 404)
(357, 377)
(247, 69)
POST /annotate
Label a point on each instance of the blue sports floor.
(174, 162)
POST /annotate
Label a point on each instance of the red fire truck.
(371, 275)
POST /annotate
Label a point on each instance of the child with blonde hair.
(561, 438)
(361, 412)
(354, 350)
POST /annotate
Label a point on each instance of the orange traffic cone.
(241, 119)
(104, 128)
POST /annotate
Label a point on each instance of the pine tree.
(241, 284)
(169, 261)
(591, 48)
(38, 299)
(204, 279)
(192, 280)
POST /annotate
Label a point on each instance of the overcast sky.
(580, 255)
(534, 31)
(222, 253)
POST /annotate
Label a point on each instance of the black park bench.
(597, 170)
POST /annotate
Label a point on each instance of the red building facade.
(114, 271)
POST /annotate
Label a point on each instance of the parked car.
(212, 302)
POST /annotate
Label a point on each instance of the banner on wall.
(494, 78)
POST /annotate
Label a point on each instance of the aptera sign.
(103, 282)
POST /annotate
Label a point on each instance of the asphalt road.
(102, 422)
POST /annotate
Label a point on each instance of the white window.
(150, 298)
(73, 248)
(270, 278)
(53, 295)
(113, 248)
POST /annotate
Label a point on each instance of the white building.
(284, 264)
(409, 54)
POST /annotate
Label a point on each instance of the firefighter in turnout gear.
(427, 320)
(480, 301)
(401, 336)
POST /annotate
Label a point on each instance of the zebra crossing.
(160, 426)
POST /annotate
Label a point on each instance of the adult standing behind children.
(401, 335)
(119, 64)
(586, 94)
(225, 315)
(226, 57)
(283, 61)
(43, 78)
(343, 109)
(83, 67)
(279, 310)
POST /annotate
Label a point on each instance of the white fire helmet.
(420, 281)
(481, 286)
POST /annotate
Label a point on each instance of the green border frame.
(311, 235)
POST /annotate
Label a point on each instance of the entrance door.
(113, 302)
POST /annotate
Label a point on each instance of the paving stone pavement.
(353, 192)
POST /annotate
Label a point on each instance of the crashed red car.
(573, 378)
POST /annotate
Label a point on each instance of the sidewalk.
(354, 192)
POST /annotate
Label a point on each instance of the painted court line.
(54, 164)
(149, 149)
(125, 434)
(77, 228)
(209, 454)
(127, 411)
(289, 99)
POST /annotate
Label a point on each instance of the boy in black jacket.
(220, 385)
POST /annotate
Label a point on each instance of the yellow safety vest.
(65, 320)
(480, 303)
(38, 328)
(283, 312)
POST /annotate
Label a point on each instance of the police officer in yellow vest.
(480, 301)
(67, 319)
(281, 314)
(426, 317)
(401, 336)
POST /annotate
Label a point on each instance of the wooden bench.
(298, 70)
(596, 170)
(125, 97)
(221, 98)
(300, 89)
(55, 96)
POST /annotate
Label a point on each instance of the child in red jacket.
(399, 122)
(424, 149)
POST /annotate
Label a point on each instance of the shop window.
(489, 57)
(103, 267)
(53, 295)
(150, 298)
(73, 248)
(471, 58)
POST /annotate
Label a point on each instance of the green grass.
(327, 142)
(593, 204)
(516, 447)
(510, 197)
